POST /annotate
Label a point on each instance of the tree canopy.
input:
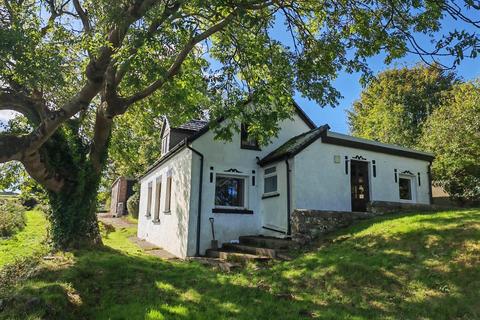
(397, 102)
(452, 133)
(72, 68)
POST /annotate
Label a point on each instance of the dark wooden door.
(359, 184)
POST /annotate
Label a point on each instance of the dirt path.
(147, 247)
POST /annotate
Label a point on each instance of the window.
(405, 188)
(247, 142)
(165, 143)
(158, 193)
(149, 199)
(270, 180)
(168, 195)
(230, 191)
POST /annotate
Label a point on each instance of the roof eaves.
(353, 142)
(291, 153)
(182, 144)
(304, 116)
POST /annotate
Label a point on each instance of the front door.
(359, 185)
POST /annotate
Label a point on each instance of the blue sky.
(348, 84)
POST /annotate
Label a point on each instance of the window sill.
(167, 212)
(250, 147)
(148, 216)
(407, 201)
(232, 211)
(270, 195)
(156, 221)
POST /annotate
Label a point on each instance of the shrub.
(133, 204)
(12, 217)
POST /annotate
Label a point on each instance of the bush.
(12, 217)
(133, 204)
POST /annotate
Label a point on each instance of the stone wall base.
(307, 225)
(388, 207)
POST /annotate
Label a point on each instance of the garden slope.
(394, 267)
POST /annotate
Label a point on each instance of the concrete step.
(234, 256)
(259, 251)
(267, 242)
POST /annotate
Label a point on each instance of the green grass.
(27, 242)
(421, 266)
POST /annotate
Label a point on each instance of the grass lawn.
(421, 266)
(27, 242)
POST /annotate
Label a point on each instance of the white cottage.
(243, 189)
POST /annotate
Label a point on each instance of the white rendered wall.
(171, 233)
(322, 184)
(274, 209)
(223, 156)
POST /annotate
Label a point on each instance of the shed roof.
(294, 145)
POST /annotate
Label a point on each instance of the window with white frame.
(165, 143)
(230, 191)
(405, 187)
(158, 193)
(270, 184)
(168, 194)
(149, 199)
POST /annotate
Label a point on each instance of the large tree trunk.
(73, 216)
(73, 208)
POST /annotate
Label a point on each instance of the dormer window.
(165, 143)
(247, 141)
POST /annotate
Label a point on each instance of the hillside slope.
(416, 266)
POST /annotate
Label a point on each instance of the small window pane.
(270, 170)
(246, 139)
(158, 193)
(149, 199)
(405, 188)
(270, 184)
(168, 195)
(229, 192)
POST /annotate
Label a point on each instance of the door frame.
(368, 177)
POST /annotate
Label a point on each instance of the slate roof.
(193, 125)
(294, 145)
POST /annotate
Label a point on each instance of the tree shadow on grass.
(430, 272)
(108, 284)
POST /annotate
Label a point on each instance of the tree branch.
(36, 167)
(34, 109)
(182, 55)
(83, 16)
(102, 132)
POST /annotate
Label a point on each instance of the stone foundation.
(389, 207)
(308, 225)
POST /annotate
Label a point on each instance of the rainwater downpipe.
(289, 226)
(199, 214)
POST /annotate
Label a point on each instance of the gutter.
(289, 226)
(200, 185)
